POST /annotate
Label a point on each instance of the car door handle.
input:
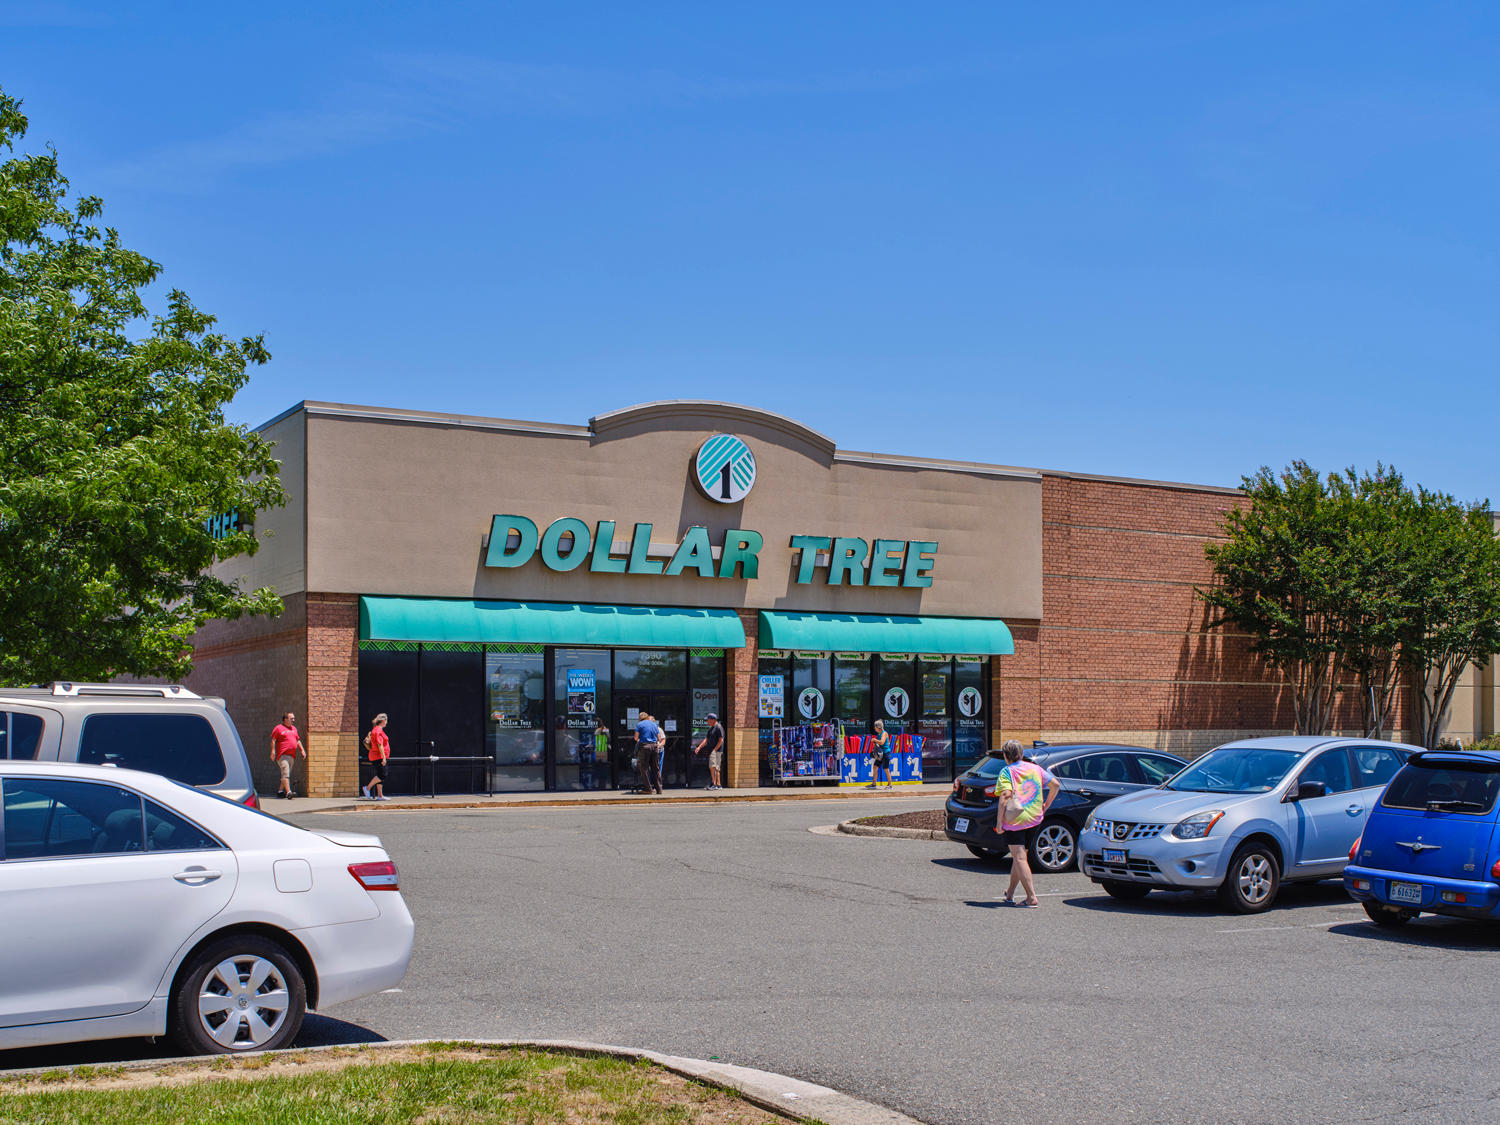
(1355, 810)
(197, 876)
(1085, 792)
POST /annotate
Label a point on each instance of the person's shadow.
(317, 1031)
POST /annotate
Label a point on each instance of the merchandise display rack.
(798, 757)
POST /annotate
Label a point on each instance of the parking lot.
(889, 969)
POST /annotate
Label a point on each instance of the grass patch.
(434, 1085)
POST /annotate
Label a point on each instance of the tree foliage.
(114, 451)
(1359, 583)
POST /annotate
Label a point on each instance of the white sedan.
(131, 905)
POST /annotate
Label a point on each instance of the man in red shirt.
(286, 744)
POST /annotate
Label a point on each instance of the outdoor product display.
(859, 760)
(805, 752)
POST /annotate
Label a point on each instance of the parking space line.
(1268, 929)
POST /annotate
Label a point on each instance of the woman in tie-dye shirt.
(1027, 781)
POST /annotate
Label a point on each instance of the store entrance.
(680, 769)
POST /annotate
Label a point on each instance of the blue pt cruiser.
(1242, 819)
(1430, 845)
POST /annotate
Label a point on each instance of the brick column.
(741, 708)
(332, 695)
(1016, 685)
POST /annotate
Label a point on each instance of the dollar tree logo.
(724, 469)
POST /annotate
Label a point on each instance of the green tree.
(114, 451)
(1452, 616)
(1276, 579)
(1372, 582)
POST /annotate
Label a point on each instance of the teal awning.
(866, 632)
(547, 623)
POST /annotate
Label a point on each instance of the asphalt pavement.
(888, 969)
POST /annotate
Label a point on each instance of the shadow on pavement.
(1200, 904)
(980, 866)
(1427, 932)
(317, 1031)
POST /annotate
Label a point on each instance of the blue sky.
(1174, 241)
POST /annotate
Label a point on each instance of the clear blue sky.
(1175, 241)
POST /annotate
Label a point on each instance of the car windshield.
(1235, 769)
(1442, 787)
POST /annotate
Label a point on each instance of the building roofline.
(729, 411)
(1143, 482)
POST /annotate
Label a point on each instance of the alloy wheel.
(1054, 847)
(1255, 878)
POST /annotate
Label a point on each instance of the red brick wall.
(258, 666)
(1123, 650)
(333, 694)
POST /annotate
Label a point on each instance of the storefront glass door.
(670, 709)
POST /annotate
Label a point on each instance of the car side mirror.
(1308, 789)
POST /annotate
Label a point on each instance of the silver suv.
(158, 728)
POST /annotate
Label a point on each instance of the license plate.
(1114, 855)
(961, 824)
(1406, 892)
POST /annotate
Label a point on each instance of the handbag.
(1013, 805)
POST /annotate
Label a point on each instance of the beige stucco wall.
(282, 534)
(402, 505)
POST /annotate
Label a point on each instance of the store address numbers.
(850, 561)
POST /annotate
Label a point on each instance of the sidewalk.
(568, 799)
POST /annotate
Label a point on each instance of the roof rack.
(164, 691)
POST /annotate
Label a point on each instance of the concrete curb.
(778, 1093)
(850, 828)
(427, 804)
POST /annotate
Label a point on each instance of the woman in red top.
(379, 746)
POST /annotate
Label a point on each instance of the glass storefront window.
(773, 666)
(388, 683)
(934, 724)
(812, 690)
(516, 734)
(451, 712)
(971, 711)
(641, 669)
(582, 694)
(896, 699)
(851, 694)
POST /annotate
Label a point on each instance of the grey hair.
(380, 718)
(1012, 750)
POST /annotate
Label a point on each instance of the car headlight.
(1198, 825)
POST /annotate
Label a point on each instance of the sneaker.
(366, 791)
(382, 797)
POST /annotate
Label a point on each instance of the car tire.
(242, 993)
(986, 855)
(1054, 848)
(1253, 879)
(1388, 916)
(1125, 892)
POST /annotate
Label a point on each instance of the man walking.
(648, 752)
(713, 744)
(286, 744)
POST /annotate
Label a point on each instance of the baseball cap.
(711, 717)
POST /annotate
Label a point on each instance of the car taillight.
(252, 802)
(379, 876)
(1355, 848)
(1495, 871)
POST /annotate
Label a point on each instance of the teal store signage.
(569, 542)
(724, 469)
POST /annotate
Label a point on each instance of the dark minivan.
(1430, 845)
